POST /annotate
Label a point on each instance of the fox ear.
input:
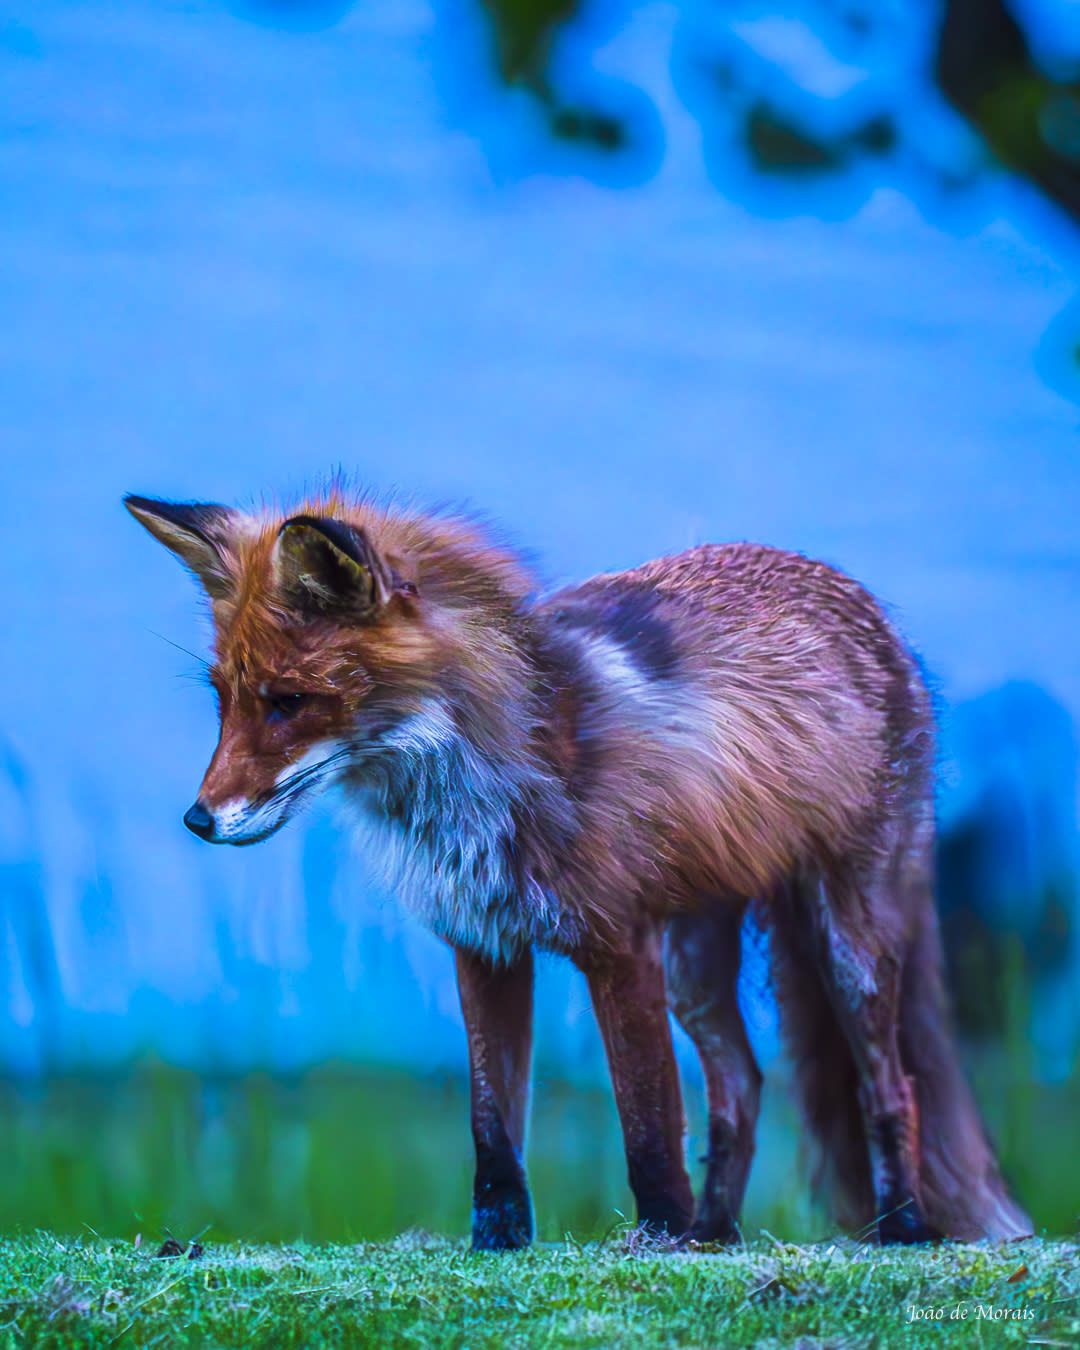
(198, 533)
(327, 566)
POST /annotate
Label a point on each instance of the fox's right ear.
(199, 533)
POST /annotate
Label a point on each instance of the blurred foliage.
(1030, 121)
(338, 1154)
(523, 34)
(524, 31)
(779, 145)
(1007, 868)
(348, 1154)
(985, 963)
(979, 59)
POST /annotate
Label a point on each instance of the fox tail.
(962, 1192)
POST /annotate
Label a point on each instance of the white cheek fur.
(237, 820)
(318, 763)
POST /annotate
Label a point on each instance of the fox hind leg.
(858, 925)
(701, 962)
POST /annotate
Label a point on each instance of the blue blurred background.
(625, 277)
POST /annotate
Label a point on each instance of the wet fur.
(643, 752)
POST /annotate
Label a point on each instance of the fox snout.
(239, 801)
(199, 821)
(237, 822)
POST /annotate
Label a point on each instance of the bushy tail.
(962, 1192)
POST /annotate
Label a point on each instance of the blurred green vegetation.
(339, 1154)
(347, 1154)
(523, 33)
(981, 61)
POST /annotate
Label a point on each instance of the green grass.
(420, 1291)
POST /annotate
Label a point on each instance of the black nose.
(199, 821)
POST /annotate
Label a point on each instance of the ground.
(422, 1291)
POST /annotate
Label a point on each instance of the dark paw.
(502, 1222)
(905, 1227)
(718, 1227)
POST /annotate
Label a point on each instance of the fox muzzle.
(199, 821)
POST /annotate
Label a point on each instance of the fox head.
(321, 649)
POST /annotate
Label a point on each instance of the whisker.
(201, 677)
(293, 785)
(194, 656)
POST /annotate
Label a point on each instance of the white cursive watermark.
(969, 1312)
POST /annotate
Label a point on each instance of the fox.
(615, 773)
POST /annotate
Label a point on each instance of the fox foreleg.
(496, 1002)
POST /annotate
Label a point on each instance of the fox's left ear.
(199, 533)
(326, 566)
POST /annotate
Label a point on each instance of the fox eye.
(283, 706)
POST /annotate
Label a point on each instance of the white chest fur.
(441, 823)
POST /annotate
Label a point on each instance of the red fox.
(614, 773)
